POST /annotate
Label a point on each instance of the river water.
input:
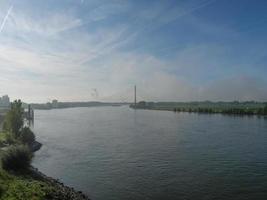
(116, 153)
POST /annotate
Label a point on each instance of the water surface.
(116, 153)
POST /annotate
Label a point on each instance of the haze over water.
(118, 153)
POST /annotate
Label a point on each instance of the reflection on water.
(118, 153)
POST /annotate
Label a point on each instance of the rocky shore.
(35, 146)
(60, 191)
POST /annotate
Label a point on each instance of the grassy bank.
(22, 186)
(19, 185)
(18, 179)
(33, 185)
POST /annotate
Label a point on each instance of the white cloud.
(55, 56)
(46, 25)
(5, 19)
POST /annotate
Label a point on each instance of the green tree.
(13, 122)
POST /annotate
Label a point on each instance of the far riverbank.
(208, 107)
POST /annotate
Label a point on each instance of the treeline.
(234, 107)
(236, 111)
(54, 105)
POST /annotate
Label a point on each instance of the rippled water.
(118, 153)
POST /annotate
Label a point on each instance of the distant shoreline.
(62, 105)
(225, 108)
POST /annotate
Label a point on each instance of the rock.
(61, 191)
(35, 146)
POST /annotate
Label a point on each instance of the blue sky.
(97, 50)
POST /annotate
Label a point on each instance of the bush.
(16, 158)
(10, 139)
(6, 139)
(27, 136)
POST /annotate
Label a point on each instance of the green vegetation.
(22, 187)
(237, 108)
(13, 121)
(19, 181)
(16, 139)
(16, 157)
(3, 137)
(14, 131)
(27, 137)
(7, 139)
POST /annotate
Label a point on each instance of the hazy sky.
(98, 50)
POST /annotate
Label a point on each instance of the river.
(116, 153)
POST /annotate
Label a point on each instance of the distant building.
(4, 101)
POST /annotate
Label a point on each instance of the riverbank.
(207, 107)
(33, 184)
(18, 179)
(61, 105)
(60, 191)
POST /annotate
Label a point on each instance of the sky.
(97, 50)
